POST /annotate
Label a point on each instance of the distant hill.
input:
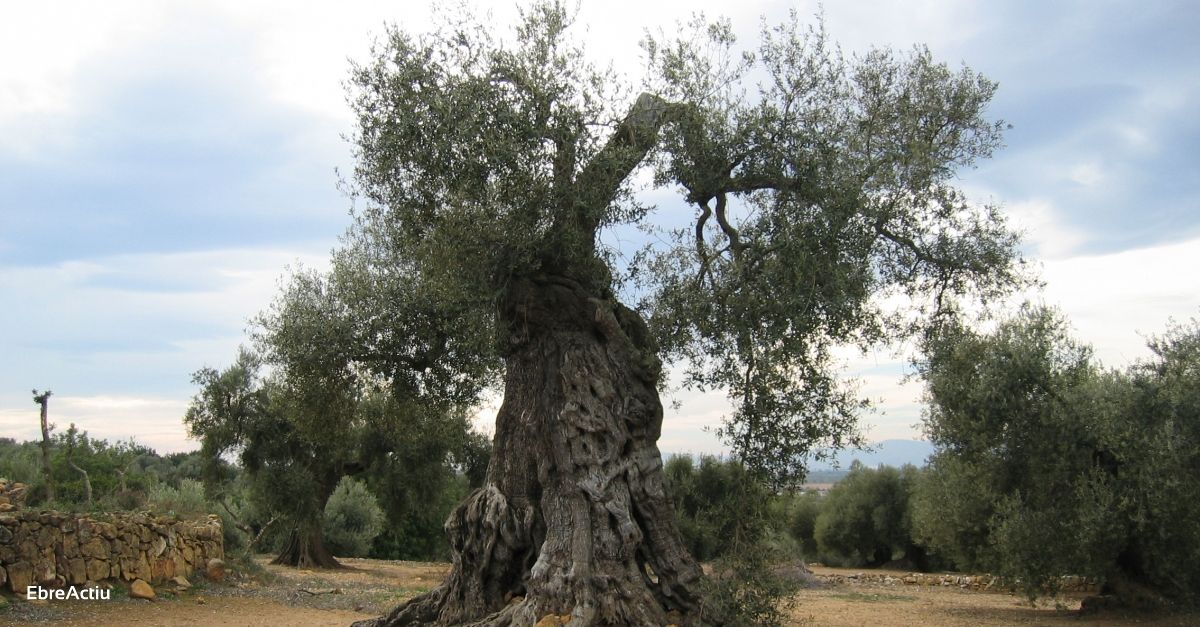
(887, 453)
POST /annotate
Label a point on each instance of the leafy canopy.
(813, 188)
(1048, 465)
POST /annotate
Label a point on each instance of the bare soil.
(275, 596)
(278, 596)
(850, 603)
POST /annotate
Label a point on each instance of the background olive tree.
(1048, 465)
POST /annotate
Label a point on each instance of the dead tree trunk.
(87, 483)
(573, 519)
(72, 441)
(43, 400)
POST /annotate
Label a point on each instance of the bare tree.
(72, 443)
(43, 399)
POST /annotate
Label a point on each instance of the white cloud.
(46, 47)
(901, 23)
(109, 297)
(690, 419)
(132, 327)
(1086, 174)
(1116, 300)
(1044, 229)
(154, 422)
(1136, 138)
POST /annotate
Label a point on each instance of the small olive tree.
(865, 520)
(352, 519)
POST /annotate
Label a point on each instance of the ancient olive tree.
(813, 188)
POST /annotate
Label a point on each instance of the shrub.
(797, 516)
(186, 500)
(865, 521)
(352, 519)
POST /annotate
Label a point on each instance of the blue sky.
(163, 163)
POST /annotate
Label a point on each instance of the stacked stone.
(12, 495)
(1070, 583)
(56, 549)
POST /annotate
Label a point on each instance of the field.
(283, 597)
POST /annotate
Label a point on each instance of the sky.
(162, 164)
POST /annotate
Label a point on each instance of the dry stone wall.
(1068, 583)
(57, 549)
(12, 495)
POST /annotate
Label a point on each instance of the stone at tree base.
(139, 589)
(553, 620)
(215, 571)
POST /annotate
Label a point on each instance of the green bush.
(797, 515)
(186, 500)
(726, 515)
(865, 521)
(711, 502)
(352, 519)
(951, 509)
(745, 591)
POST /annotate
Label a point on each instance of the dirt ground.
(280, 597)
(857, 604)
(275, 597)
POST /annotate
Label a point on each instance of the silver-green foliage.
(352, 519)
(865, 520)
(812, 187)
(1048, 465)
(187, 499)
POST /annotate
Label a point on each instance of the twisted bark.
(573, 520)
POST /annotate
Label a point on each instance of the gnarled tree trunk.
(305, 548)
(573, 520)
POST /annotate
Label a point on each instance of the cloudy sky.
(162, 163)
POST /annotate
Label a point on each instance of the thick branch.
(87, 482)
(701, 247)
(597, 185)
(735, 242)
(564, 171)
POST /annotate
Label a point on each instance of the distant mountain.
(886, 453)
